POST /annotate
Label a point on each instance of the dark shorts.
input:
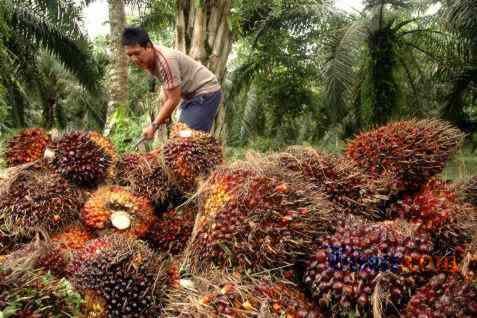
(199, 112)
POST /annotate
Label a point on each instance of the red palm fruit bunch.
(27, 146)
(85, 158)
(126, 274)
(32, 294)
(129, 161)
(113, 208)
(183, 130)
(446, 295)
(340, 179)
(269, 223)
(470, 191)
(216, 294)
(38, 200)
(409, 151)
(343, 272)
(58, 252)
(148, 178)
(173, 230)
(189, 156)
(436, 209)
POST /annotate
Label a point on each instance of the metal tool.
(139, 142)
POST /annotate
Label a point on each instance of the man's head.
(139, 47)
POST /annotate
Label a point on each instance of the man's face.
(143, 57)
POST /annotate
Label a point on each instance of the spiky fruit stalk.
(340, 179)
(36, 294)
(129, 161)
(410, 151)
(470, 191)
(146, 177)
(343, 271)
(445, 296)
(27, 146)
(126, 273)
(216, 294)
(38, 200)
(113, 208)
(94, 306)
(189, 156)
(173, 230)
(267, 223)
(435, 209)
(85, 158)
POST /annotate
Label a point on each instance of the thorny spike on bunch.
(172, 231)
(125, 272)
(113, 208)
(130, 161)
(410, 151)
(27, 146)
(436, 210)
(190, 156)
(216, 294)
(268, 223)
(340, 179)
(446, 295)
(38, 200)
(343, 270)
(34, 294)
(85, 158)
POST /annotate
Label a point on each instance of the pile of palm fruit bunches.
(177, 232)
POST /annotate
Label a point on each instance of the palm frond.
(69, 51)
(339, 72)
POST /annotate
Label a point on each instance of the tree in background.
(33, 26)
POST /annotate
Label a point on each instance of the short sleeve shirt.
(174, 69)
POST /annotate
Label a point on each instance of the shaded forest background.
(293, 71)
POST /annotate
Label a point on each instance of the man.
(182, 78)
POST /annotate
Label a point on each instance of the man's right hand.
(148, 132)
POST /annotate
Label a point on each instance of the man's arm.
(173, 97)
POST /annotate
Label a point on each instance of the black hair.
(135, 35)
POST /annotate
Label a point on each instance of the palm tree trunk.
(203, 33)
(118, 79)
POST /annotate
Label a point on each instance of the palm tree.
(53, 25)
(391, 45)
(459, 18)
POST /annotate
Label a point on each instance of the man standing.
(182, 78)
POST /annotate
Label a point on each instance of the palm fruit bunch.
(216, 294)
(129, 161)
(27, 146)
(85, 158)
(173, 230)
(38, 200)
(270, 222)
(410, 152)
(59, 251)
(435, 209)
(446, 295)
(470, 191)
(147, 178)
(113, 208)
(183, 130)
(340, 179)
(125, 273)
(188, 156)
(32, 294)
(343, 272)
